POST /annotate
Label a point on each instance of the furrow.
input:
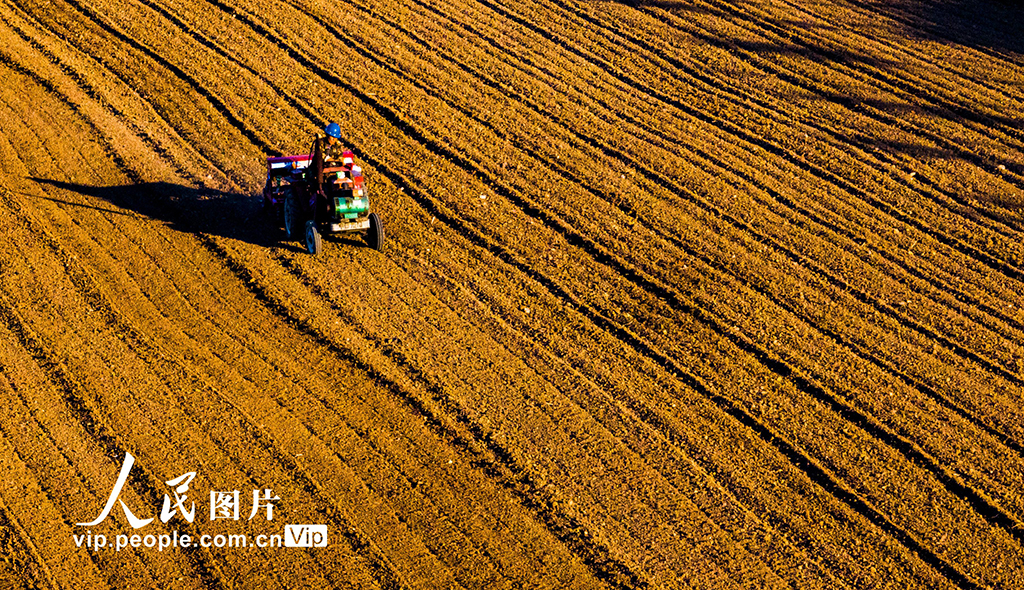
(635, 423)
(74, 68)
(993, 221)
(650, 285)
(742, 96)
(132, 337)
(922, 57)
(556, 411)
(461, 432)
(839, 60)
(672, 186)
(993, 366)
(89, 417)
(983, 361)
(140, 343)
(796, 160)
(635, 342)
(8, 383)
(814, 266)
(985, 119)
(9, 521)
(939, 32)
(165, 367)
(84, 410)
(408, 134)
(247, 131)
(164, 94)
(864, 107)
(920, 275)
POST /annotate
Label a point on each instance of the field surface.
(709, 294)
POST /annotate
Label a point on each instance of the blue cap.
(334, 130)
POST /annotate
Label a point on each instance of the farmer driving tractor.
(323, 191)
(333, 150)
(327, 150)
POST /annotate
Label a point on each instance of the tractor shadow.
(183, 208)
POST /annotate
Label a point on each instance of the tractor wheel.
(375, 235)
(313, 242)
(292, 216)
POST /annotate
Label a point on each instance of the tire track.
(576, 527)
(674, 64)
(281, 370)
(667, 184)
(218, 105)
(77, 402)
(648, 284)
(264, 146)
(199, 382)
(82, 480)
(908, 450)
(996, 223)
(985, 362)
(121, 163)
(7, 436)
(87, 414)
(81, 82)
(133, 339)
(462, 433)
(803, 463)
(993, 366)
(248, 132)
(783, 199)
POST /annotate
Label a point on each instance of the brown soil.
(676, 294)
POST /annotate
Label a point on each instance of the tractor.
(316, 195)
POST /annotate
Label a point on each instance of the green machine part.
(350, 208)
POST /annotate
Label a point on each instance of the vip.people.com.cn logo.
(224, 505)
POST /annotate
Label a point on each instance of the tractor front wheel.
(375, 235)
(313, 242)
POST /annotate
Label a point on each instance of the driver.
(333, 148)
(326, 148)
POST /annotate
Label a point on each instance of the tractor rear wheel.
(375, 235)
(292, 216)
(313, 242)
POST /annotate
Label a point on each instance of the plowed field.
(704, 294)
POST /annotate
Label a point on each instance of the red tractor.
(318, 196)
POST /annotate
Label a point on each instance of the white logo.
(305, 535)
(223, 504)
